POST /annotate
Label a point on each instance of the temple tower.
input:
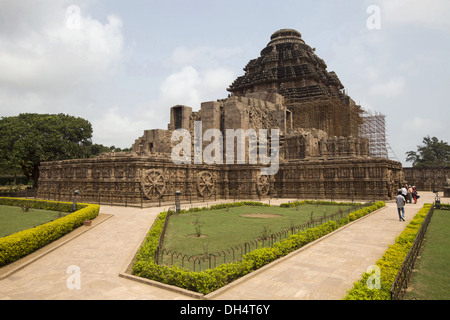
(316, 97)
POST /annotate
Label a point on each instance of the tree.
(28, 139)
(432, 154)
(97, 149)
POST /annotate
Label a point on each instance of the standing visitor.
(415, 195)
(410, 194)
(400, 200)
(404, 192)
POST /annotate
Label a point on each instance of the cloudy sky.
(123, 64)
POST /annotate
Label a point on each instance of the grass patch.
(192, 233)
(13, 219)
(431, 278)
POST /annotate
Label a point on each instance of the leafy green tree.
(432, 154)
(28, 139)
(97, 149)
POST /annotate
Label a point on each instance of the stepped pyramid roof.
(290, 67)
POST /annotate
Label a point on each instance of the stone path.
(322, 270)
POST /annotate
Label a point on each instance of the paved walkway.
(323, 270)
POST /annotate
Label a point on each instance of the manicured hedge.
(20, 244)
(317, 202)
(389, 263)
(210, 280)
(40, 204)
(226, 205)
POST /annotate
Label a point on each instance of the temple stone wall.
(156, 141)
(427, 179)
(340, 179)
(304, 144)
(128, 178)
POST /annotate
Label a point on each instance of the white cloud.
(51, 64)
(180, 88)
(114, 128)
(217, 79)
(204, 56)
(191, 87)
(420, 125)
(44, 61)
(57, 58)
(201, 74)
(52, 54)
(393, 87)
(431, 14)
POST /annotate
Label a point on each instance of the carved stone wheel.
(153, 184)
(205, 184)
(263, 185)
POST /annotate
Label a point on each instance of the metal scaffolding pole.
(373, 127)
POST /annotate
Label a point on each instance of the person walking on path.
(400, 200)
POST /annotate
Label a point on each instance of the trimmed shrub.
(224, 206)
(40, 204)
(20, 244)
(318, 202)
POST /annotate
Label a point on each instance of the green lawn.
(222, 228)
(431, 280)
(13, 220)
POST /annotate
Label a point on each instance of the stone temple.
(321, 153)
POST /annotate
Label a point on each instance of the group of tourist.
(406, 194)
(409, 193)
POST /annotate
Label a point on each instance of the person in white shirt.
(404, 192)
